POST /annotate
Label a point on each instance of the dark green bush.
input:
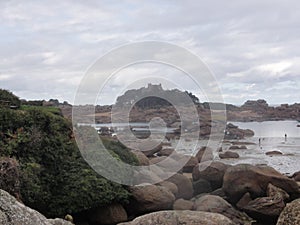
(6, 96)
(54, 178)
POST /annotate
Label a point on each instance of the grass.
(50, 109)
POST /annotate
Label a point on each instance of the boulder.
(188, 162)
(228, 155)
(219, 192)
(264, 209)
(191, 163)
(275, 152)
(143, 160)
(216, 204)
(213, 172)
(204, 154)
(267, 209)
(244, 201)
(168, 164)
(243, 178)
(201, 186)
(182, 204)
(170, 186)
(149, 198)
(166, 151)
(236, 147)
(290, 214)
(13, 212)
(277, 193)
(181, 217)
(184, 185)
(149, 147)
(296, 176)
(152, 176)
(107, 215)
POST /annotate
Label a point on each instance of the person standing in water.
(285, 137)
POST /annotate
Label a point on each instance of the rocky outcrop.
(233, 132)
(291, 214)
(150, 198)
(268, 208)
(212, 172)
(13, 212)
(181, 217)
(216, 204)
(244, 178)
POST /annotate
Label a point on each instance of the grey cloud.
(46, 43)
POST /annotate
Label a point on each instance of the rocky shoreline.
(203, 192)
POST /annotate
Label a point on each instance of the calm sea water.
(272, 134)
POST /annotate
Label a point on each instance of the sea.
(272, 136)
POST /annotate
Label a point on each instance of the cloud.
(252, 47)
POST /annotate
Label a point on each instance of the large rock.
(267, 209)
(291, 214)
(229, 155)
(216, 204)
(149, 198)
(166, 151)
(167, 164)
(182, 204)
(236, 147)
(184, 185)
(244, 178)
(181, 217)
(296, 176)
(204, 154)
(149, 147)
(189, 162)
(143, 160)
(213, 172)
(107, 215)
(170, 186)
(13, 212)
(274, 152)
(201, 186)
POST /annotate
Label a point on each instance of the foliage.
(9, 97)
(9, 175)
(54, 178)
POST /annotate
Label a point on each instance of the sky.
(252, 47)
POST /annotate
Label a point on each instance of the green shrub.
(54, 178)
(6, 96)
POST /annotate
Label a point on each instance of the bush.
(9, 97)
(54, 178)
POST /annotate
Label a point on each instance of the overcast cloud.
(252, 46)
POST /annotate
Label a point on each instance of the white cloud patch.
(251, 46)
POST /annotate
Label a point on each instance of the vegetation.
(9, 99)
(53, 176)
